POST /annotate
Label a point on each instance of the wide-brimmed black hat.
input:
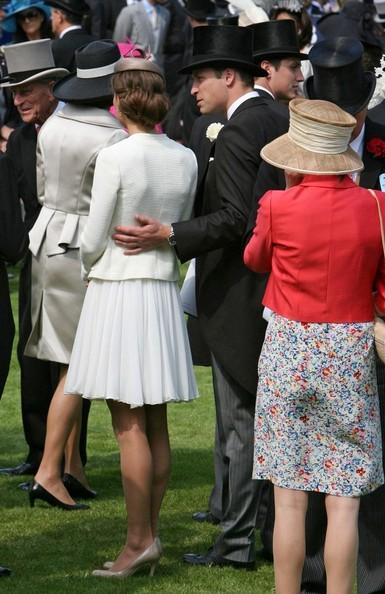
(223, 46)
(275, 39)
(199, 9)
(94, 66)
(339, 75)
(77, 7)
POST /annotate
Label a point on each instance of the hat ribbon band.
(95, 72)
(319, 137)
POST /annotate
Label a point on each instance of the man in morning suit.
(276, 50)
(31, 75)
(66, 22)
(13, 245)
(228, 295)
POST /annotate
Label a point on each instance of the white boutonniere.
(213, 131)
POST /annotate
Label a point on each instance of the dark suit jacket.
(112, 9)
(228, 294)
(21, 149)
(64, 49)
(13, 245)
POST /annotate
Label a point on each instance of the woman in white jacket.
(131, 347)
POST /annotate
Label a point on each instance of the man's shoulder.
(22, 133)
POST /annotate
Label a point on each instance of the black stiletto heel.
(36, 491)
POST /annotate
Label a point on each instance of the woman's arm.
(105, 187)
(258, 252)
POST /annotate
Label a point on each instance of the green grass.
(51, 551)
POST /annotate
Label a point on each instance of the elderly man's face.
(34, 102)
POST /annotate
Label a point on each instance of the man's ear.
(266, 65)
(229, 75)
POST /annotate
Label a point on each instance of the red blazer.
(321, 240)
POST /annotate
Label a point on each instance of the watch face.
(172, 240)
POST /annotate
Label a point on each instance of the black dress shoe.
(205, 517)
(25, 468)
(76, 489)
(210, 559)
(36, 491)
(4, 571)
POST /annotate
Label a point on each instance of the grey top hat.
(30, 62)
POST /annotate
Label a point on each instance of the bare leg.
(341, 543)
(145, 465)
(73, 462)
(63, 412)
(157, 432)
(289, 539)
(137, 475)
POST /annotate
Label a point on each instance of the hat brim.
(350, 105)
(51, 74)
(286, 154)
(225, 61)
(72, 89)
(9, 23)
(279, 53)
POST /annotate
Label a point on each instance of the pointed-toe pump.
(109, 564)
(76, 489)
(36, 491)
(149, 557)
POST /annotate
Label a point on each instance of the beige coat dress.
(68, 145)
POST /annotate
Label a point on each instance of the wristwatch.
(171, 239)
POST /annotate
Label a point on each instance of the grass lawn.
(52, 551)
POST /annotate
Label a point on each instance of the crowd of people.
(247, 141)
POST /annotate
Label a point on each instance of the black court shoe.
(76, 489)
(38, 492)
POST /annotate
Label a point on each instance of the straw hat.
(317, 141)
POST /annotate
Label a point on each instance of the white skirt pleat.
(131, 344)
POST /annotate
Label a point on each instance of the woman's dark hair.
(303, 21)
(142, 96)
(45, 30)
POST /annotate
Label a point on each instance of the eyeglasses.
(28, 14)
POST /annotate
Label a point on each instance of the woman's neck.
(134, 128)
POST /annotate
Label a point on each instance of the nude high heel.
(109, 564)
(149, 557)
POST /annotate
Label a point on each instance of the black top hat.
(77, 7)
(338, 74)
(94, 66)
(200, 9)
(223, 46)
(275, 39)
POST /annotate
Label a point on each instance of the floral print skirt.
(317, 421)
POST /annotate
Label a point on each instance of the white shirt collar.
(260, 87)
(358, 143)
(72, 28)
(239, 102)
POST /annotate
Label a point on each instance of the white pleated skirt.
(131, 344)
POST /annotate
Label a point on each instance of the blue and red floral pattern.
(317, 422)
